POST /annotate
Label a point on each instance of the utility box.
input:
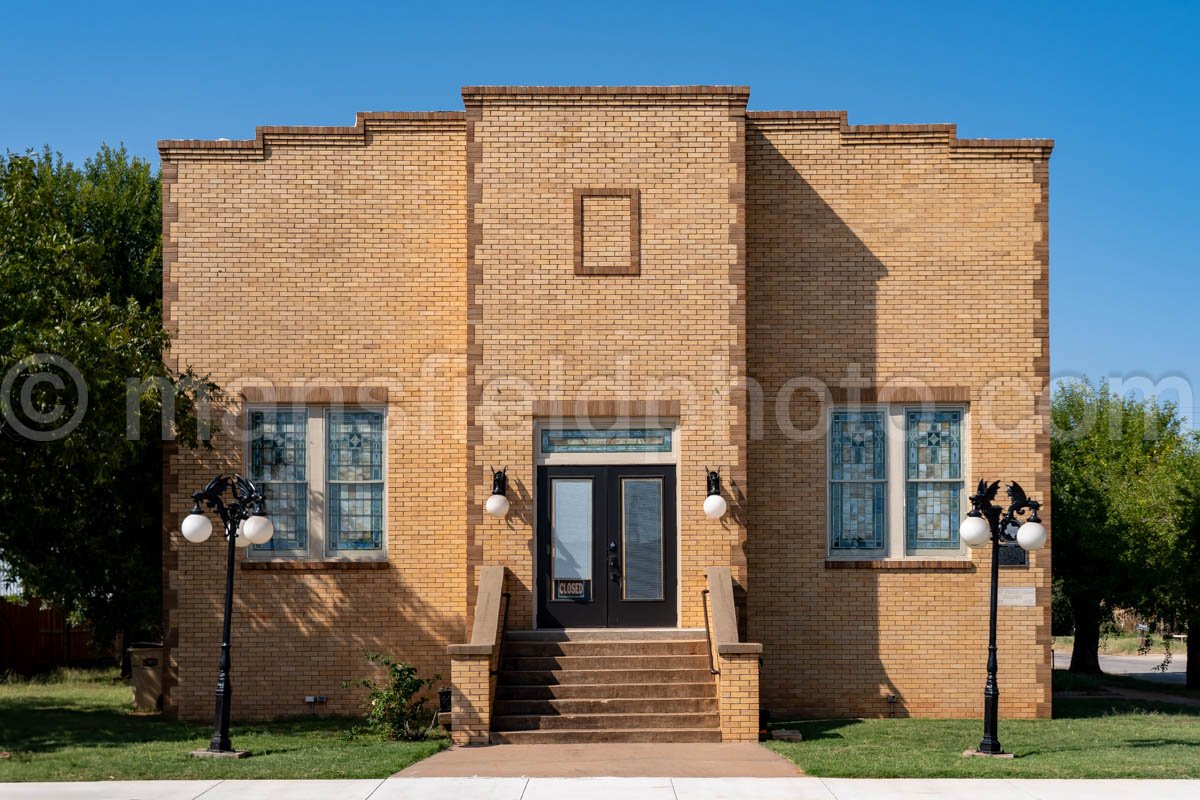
(145, 662)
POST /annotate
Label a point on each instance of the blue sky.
(1116, 84)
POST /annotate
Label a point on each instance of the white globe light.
(1031, 535)
(258, 529)
(715, 506)
(241, 540)
(496, 505)
(975, 531)
(196, 528)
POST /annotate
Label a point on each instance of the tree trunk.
(123, 656)
(1085, 656)
(1193, 651)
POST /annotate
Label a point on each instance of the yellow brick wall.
(472, 700)
(322, 261)
(738, 697)
(880, 254)
(542, 333)
(432, 255)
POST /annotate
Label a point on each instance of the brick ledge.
(355, 134)
(935, 134)
(314, 566)
(908, 563)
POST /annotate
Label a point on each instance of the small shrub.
(395, 708)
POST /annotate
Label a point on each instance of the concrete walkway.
(608, 789)
(731, 760)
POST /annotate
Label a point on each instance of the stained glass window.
(354, 481)
(858, 481)
(933, 479)
(637, 440)
(279, 466)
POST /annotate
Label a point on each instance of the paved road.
(1134, 666)
(608, 789)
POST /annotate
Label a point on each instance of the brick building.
(607, 293)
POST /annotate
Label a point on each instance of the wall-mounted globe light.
(714, 505)
(497, 504)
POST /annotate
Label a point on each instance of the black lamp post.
(990, 522)
(247, 506)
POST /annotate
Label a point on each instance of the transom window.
(587, 440)
(896, 481)
(322, 472)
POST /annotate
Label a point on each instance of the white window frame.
(316, 459)
(896, 478)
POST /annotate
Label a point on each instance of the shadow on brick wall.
(295, 632)
(811, 313)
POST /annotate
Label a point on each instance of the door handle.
(614, 563)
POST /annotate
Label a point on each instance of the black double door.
(607, 547)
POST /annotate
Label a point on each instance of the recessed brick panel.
(607, 235)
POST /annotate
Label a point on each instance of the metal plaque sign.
(1013, 555)
(1019, 596)
(573, 589)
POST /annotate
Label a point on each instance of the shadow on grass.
(1104, 683)
(816, 729)
(1092, 708)
(39, 725)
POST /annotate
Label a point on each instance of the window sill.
(900, 563)
(314, 566)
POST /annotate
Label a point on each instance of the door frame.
(541, 459)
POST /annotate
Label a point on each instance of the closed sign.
(573, 589)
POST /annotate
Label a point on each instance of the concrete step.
(664, 647)
(541, 722)
(605, 685)
(607, 705)
(610, 736)
(614, 661)
(602, 676)
(590, 691)
(607, 635)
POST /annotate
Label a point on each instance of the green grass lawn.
(80, 726)
(1087, 738)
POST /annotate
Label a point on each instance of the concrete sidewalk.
(605, 760)
(608, 789)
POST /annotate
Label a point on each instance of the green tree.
(1176, 559)
(80, 280)
(1185, 569)
(1116, 482)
